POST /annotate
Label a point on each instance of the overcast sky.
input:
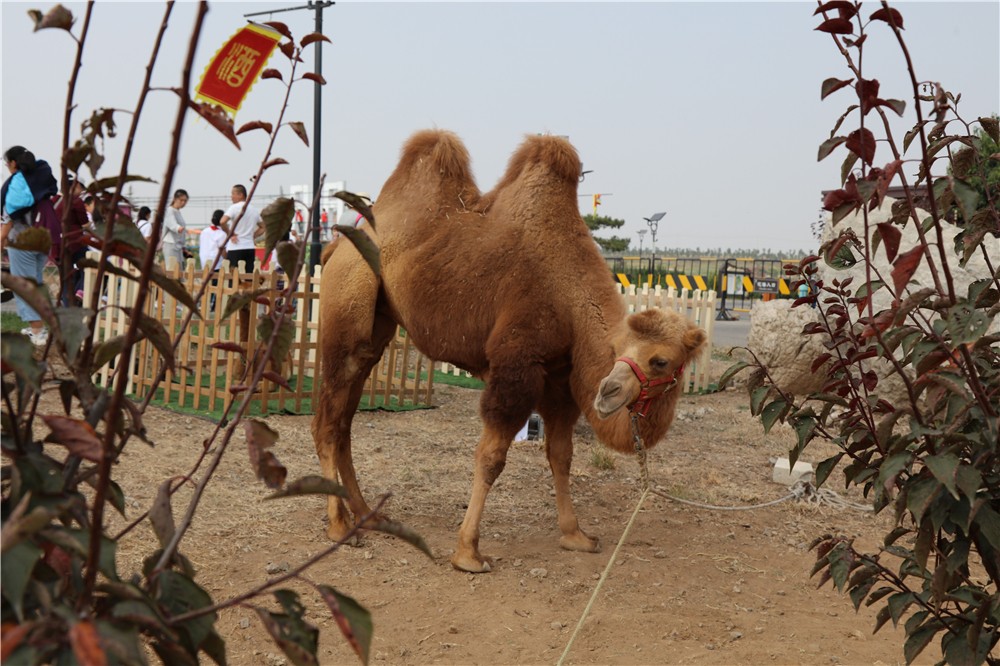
(707, 111)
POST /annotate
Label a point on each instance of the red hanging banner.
(236, 66)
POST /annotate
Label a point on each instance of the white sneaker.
(37, 339)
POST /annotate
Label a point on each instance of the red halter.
(645, 398)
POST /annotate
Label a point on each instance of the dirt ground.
(689, 585)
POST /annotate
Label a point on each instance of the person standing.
(210, 242)
(143, 223)
(243, 221)
(31, 182)
(174, 230)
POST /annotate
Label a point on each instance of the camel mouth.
(611, 396)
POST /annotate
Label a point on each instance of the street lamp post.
(654, 222)
(317, 6)
(642, 233)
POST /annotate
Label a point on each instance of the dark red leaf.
(861, 142)
(885, 180)
(868, 94)
(313, 76)
(904, 267)
(834, 199)
(836, 26)
(229, 347)
(288, 48)
(13, 634)
(891, 236)
(313, 37)
(277, 379)
(87, 644)
(889, 15)
(843, 7)
(261, 437)
(879, 322)
(280, 27)
(217, 118)
(271, 74)
(76, 435)
(255, 124)
(300, 129)
(275, 162)
(832, 85)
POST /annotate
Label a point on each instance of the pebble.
(557, 625)
(244, 623)
(277, 567)
(539, 572)
(735, 635)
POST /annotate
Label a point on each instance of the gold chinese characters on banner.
(236, 66)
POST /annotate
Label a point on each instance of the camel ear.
(693, 339)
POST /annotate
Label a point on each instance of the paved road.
(727, 334)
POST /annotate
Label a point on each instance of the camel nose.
(609, 388)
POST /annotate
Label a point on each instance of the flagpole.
(316, 245)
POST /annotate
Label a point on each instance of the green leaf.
(966, 324)
(891, 467)
(401, 531)
(354, 620)
(106, 556)
(988, 521)
(110, 349)
(824, 469)
(757, 399)
(898, 603)
(16, 565)
(172, 286)
(841, 559)
(73, 329)
(358, 203)
(297, 638)
(944, 467)
(127, 234)
(772, 412)
(277, 217)
(918, 640)
(240, 301)
(178, 594)
(284, 336)
(364, 245)
(156, 333)
(288, 255)
(18, 353)
(215, 647)
(312, 484)
(966, 196)
(731, 372)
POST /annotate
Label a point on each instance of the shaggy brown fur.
(508, 285)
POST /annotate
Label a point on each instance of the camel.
(509, 285)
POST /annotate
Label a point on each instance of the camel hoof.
(337, 533)
(470, 563)
(580, 542)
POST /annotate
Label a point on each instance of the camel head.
(651, 349)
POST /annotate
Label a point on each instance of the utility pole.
(317, 244)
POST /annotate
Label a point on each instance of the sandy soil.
(689, 585)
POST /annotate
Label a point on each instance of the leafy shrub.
(63, 598)
(934, 456)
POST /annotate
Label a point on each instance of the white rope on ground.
(802, 491)
(604, 575)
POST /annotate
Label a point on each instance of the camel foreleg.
(559, 450)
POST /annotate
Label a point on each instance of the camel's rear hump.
(432, 164)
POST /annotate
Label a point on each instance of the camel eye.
(657, 363)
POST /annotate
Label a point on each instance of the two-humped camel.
(510, 286)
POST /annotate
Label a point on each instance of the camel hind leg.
(352, 338)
